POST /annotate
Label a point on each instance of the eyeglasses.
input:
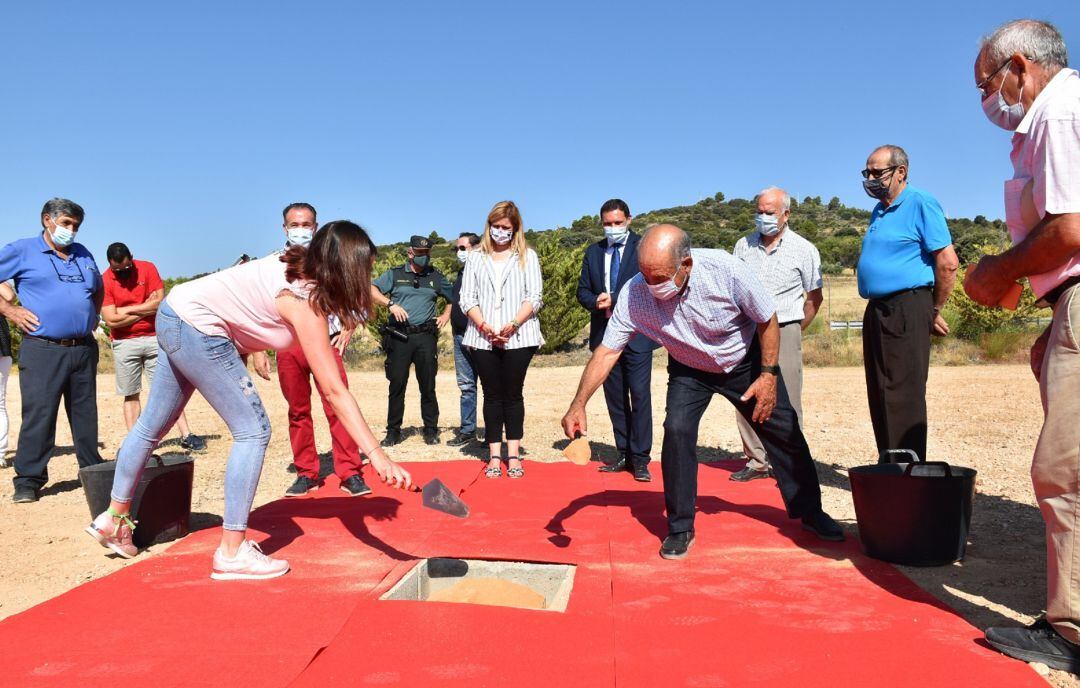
(981, 86)
(877, 174)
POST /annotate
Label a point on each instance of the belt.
(429, 326)
(894, 294)
(59, 342)
(1052, 296)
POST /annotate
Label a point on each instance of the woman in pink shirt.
(203, 328)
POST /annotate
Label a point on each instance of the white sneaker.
(114, 534)
(249, 564)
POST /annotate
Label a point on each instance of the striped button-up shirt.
(499, 293)
(789, 272)
(709, 326)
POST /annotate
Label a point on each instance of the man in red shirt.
(133, 292)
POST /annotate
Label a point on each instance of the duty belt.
(429, 326)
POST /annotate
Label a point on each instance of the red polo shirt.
(134, 290)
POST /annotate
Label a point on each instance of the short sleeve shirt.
(415, 292)
(899, 246)
(791, 271)
(59, 291)
(132, 291)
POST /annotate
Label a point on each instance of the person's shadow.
(280, 520)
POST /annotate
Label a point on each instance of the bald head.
(663, 249)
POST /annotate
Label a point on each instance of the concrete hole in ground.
(518, 584)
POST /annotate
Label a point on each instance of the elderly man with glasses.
(60, 291)
(907, 269)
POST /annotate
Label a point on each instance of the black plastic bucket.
(162, 501)
(917, 514)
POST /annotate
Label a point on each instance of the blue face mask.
(1006, 116)
(62, 236)
(300, 236)
(768, 225)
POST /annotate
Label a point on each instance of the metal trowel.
(436, 495)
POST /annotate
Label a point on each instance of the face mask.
(768, 225)
(62, 236)
(501, 236)
(876, 188)
(999, 112)
(461, 255)
(421, 261)
(665, 290)
(300, 236)
(617, 234)
(122, 274)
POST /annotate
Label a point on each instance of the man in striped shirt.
(790, 268)
(720, 329)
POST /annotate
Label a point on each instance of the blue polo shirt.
(898, 249)
(59, 292)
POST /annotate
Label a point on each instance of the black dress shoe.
(641, 473)
(676, 545)
(822, 525)
(354, 486)
(1038, 642)
(621, 464)
(431, 435)
(24, 494)
(392, 437)
(747, 474)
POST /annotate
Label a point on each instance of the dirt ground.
(985, 417)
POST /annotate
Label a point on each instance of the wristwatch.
(774, 369)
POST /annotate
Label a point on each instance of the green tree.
(562, 318)
(834, 203)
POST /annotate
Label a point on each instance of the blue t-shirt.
(897, 251)
(59, 292)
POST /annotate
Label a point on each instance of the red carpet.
(757, 603)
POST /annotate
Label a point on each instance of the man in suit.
(608, 265)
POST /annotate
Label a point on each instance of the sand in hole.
(493, 591)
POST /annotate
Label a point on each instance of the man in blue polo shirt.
(907, 269)
(60, 292)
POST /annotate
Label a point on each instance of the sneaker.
(747, 474)
(392, 437)
(302, 486)
(677, 545)
(193, 443)
(1038, 642)
(114, 532)
(249, 564)
(461, 439)
(354, 486)
(24, 494)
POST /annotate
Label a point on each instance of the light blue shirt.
(899, 246)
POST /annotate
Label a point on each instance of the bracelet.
(515, 323)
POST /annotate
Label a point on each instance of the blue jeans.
(466, 382)
(190, 360)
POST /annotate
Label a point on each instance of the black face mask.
(122, 274)
(877, 188)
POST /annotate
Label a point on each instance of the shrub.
(970, 320)
(562, 318)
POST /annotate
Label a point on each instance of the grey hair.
(897, 156)
(1036, 40)
(785, 197)
(55, 207)
(680, 250)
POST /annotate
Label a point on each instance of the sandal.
(518, 472)
(493, 471)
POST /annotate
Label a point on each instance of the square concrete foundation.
(430, 576)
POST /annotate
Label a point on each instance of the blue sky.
(184, 128)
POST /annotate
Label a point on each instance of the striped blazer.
(499, 302)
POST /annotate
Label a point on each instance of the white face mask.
(999, 112)
(665, 290)
(501, 236)
(300, 236)
(62, 236)
(616, 234)
(462, 254)
(768, 225)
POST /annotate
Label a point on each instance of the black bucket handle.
(948, 469)
(888, 454)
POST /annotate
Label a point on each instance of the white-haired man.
(1026, 88)
(789, 267)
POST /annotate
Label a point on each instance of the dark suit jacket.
(591, 286)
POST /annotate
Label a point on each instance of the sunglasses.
(877, 174)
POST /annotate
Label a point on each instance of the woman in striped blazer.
(502, 292)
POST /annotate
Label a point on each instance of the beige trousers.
(1055, 469)
(791, 371)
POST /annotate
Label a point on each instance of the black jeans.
(896, 358)
(422, 351)
(47, 373)
(689, 394)
(502, 375)
(629, 403)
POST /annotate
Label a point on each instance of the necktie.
(613, 273)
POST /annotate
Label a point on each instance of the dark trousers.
(689, 394)
(896, 357)
(502, 375)
(629, 403)
(422, 351)
(47, 373)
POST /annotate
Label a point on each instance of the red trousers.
(295, 377)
